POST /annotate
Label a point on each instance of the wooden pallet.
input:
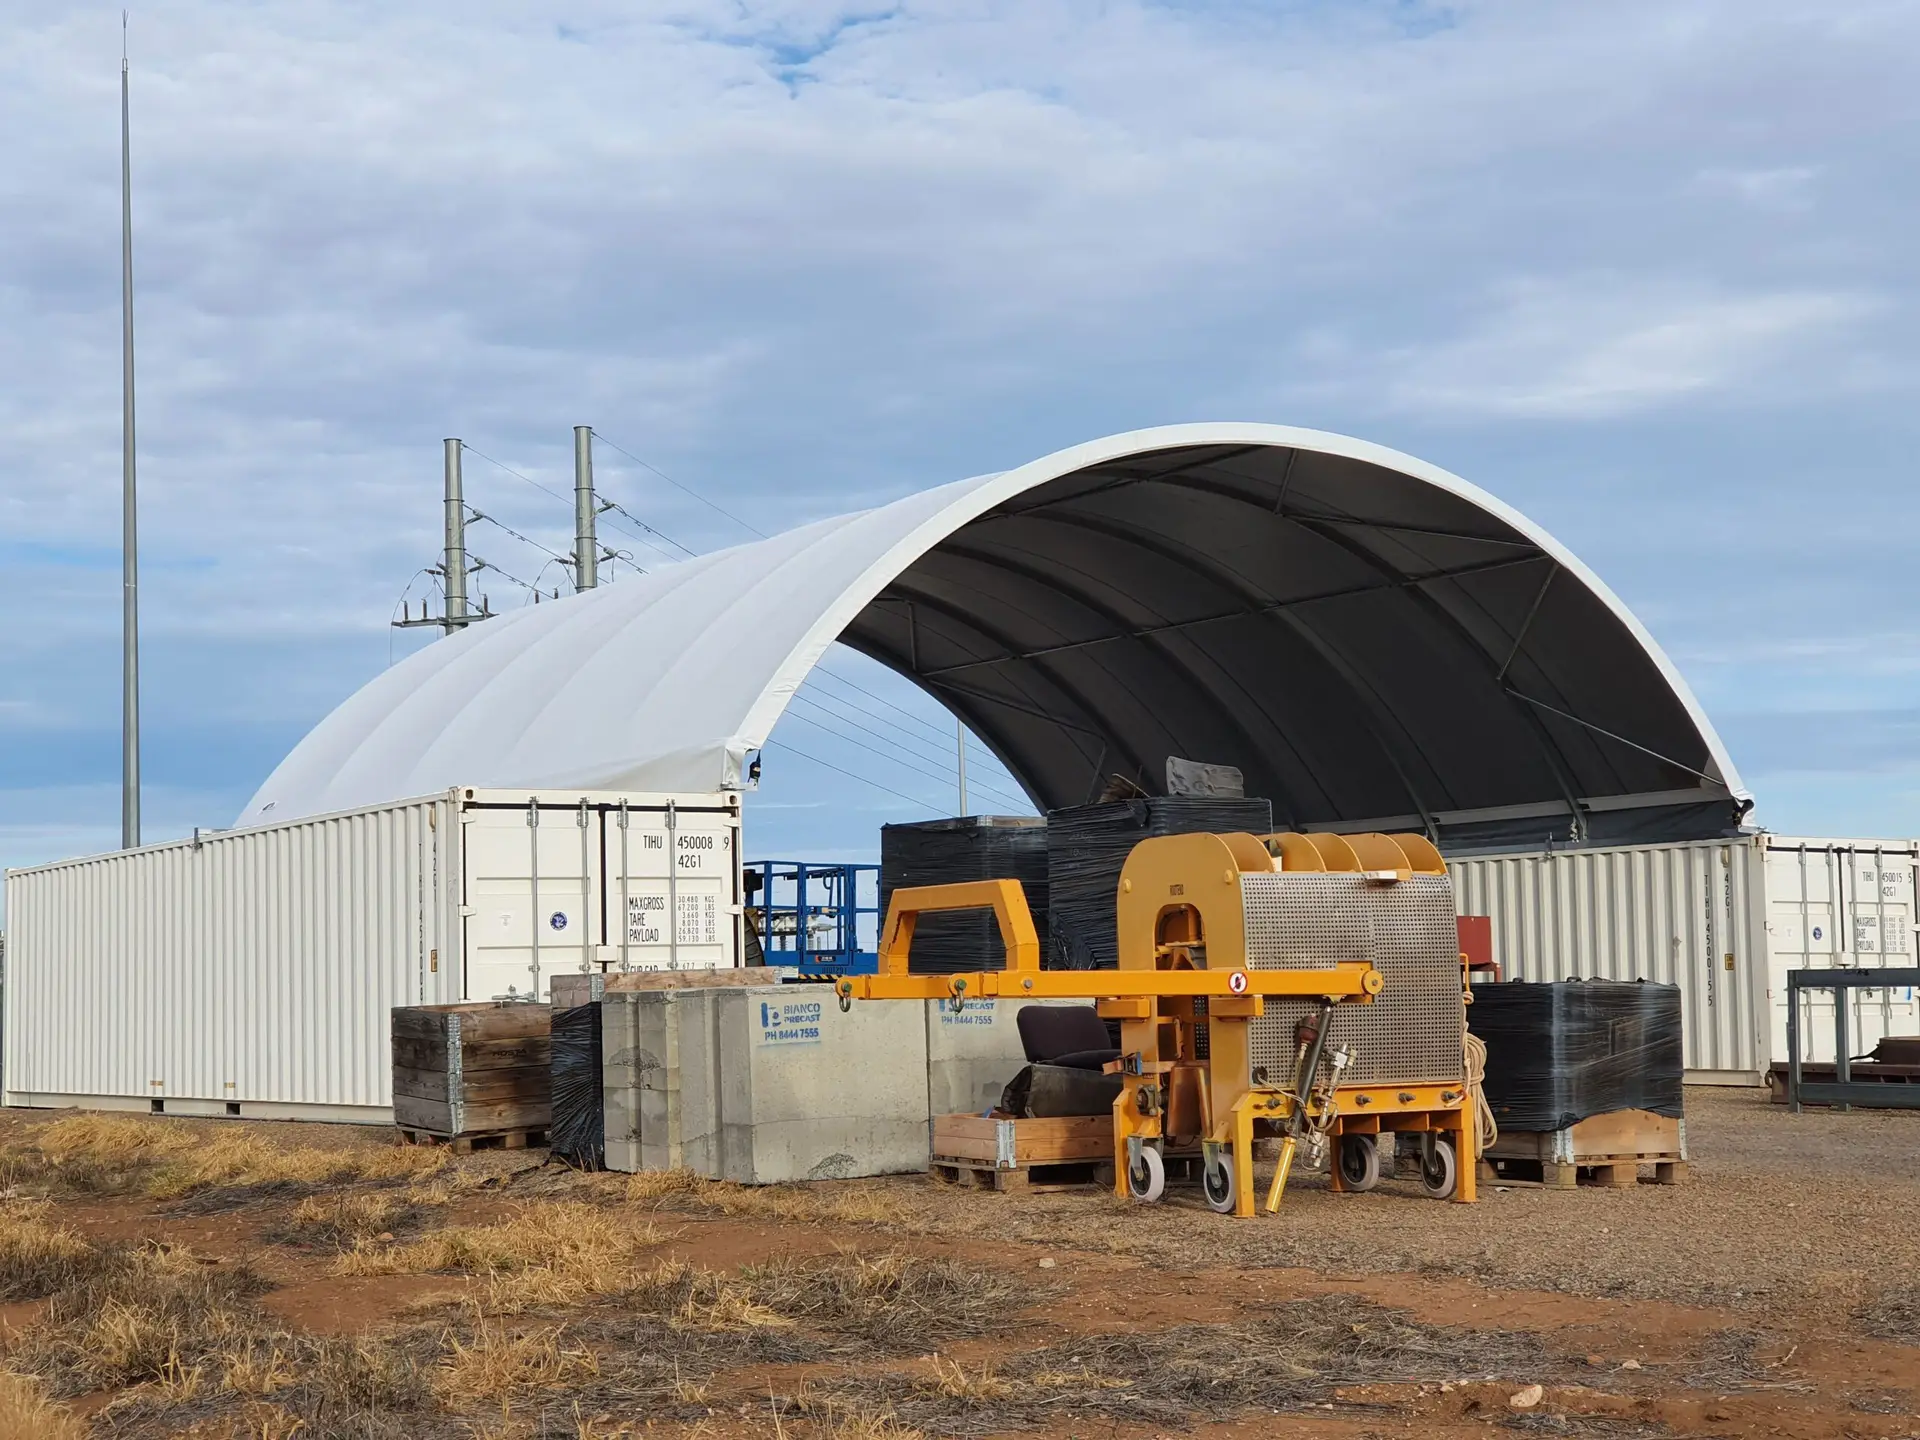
(464, 1144)
(1606, 1149)
(983, 1175)
(1002, 1153)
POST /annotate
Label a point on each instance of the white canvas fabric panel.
(668, 681)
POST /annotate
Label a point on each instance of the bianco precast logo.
(790, 1022)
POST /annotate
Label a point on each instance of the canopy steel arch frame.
(1375, 710)
(1322, 528)
(1154, 643)
(993, 635)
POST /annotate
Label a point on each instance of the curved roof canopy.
(1370, 639)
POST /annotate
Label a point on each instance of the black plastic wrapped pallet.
(1088, 844)
(1560, 1052)
(946, 852)
(578, 1132)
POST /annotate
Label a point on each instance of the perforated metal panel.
(1412, 1032)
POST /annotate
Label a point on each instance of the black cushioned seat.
(1070, 1035)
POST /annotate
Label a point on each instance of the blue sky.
(1643, 270)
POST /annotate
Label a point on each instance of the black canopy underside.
(1371, 649)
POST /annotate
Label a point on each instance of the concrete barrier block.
(764, 1085)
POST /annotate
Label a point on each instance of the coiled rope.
(1476, 1076)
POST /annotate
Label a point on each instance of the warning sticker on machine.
(972, 1012)
(790, 1022)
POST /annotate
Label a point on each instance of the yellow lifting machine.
(1232, 967)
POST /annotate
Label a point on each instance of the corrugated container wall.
(1687, 914)
(252, 972)
(251, 968)
(1723, 919)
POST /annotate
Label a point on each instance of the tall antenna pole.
(129, 515)
(960, 744)
(456, 555)
(586, 543)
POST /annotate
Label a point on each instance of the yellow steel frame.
(1412, 1109)
(1182, 939)
(1194, 879)
(1023, 979)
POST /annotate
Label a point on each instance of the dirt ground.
(275, 1280)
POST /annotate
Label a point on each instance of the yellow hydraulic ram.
(1182, 940)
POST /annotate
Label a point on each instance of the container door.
(527, 921)
(1848, 906)
(678, 896)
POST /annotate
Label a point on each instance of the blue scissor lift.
(822, 920)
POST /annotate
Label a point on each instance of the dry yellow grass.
(142, 1315)
(352, 1217)
(835, 1417)
(257, 1368)
(27, 1414)
(543, 1253)
(498, 1364)
(36, 1256)
(174, 1159)
(699, 1299)
(684, 1190)
(603, 1427)
(957, 1382)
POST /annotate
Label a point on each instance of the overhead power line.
(944, 758)
(947, 775)
(567, 501)
(863, 779)
(688, 489)
(938, 731)
(618, 508)
(473, 514)
(946, 779)
(938, 736)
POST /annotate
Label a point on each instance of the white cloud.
(809, 254)
(1600, 347)
(1780, 187)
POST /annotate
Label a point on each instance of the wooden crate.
(1009, 1154)
(1610, 1147)
(475, 1073)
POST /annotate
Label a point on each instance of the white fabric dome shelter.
(1372, 640)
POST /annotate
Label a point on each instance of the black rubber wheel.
(1216, 1183)
(1439, 1170)
(1359, 1163)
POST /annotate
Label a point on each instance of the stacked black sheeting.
(1559, 1052)
(578, 1131)
(968, 847)
(1088, 844)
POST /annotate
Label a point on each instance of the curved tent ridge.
(1371, 639)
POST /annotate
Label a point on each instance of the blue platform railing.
(820, 919)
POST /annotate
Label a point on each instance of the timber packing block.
(763, 1085)
(470, 1072)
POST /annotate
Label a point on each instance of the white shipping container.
(1723, 919)
(1846, 904)
(251, 972)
